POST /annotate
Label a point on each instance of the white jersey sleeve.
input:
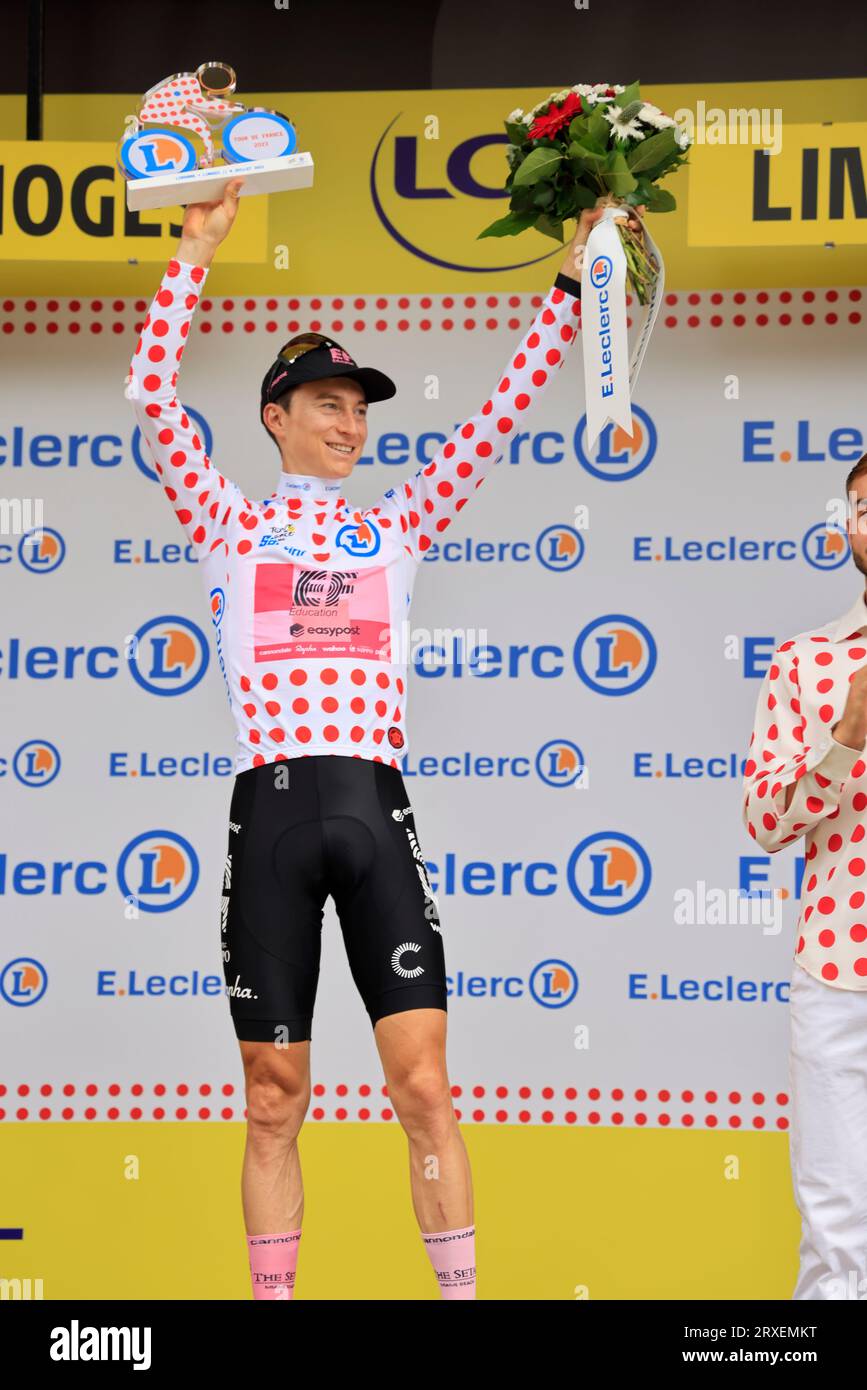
(203, 500)
(427, 503)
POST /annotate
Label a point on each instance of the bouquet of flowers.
(590, 147)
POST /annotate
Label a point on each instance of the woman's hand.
(586, 222)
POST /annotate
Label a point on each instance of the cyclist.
(310, 597)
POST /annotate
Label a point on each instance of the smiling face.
(324, 430)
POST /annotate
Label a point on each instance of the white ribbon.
(609, 372)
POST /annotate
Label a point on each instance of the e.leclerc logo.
(168, 656)
(608, 872)
(42, 550)
(616, 457)
(23, 982)
(36, 763)
(158, 870)
(615, 655)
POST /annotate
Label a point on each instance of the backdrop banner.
(589, 645)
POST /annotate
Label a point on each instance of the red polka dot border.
(834, 307)
(476, 1104)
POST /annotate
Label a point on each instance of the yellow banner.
(65, 200)
(403, 184)
(807, 186)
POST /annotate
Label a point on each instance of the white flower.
(516, 115)
(560, 97)
(582, 89)
(651, 115)
(604, 86)
(682, 137)
(623, 130)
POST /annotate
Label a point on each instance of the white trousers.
(828, 1135)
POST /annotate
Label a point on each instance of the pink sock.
(272, 1264)
(453, 1256)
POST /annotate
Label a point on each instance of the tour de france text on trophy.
(161, 164)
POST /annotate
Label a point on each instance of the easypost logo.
(159, 870)
(42, 550)
(615, 655)
(616, 457)
(825, 546)
(559, 763)
(23, 982)
(203, 430)
(553, 984)
(36, 763)
(608, 873)
(560, 548)
(168, 656)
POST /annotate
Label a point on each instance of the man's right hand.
(207, 224)
(852, 727)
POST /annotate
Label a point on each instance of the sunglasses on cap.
(295, 348)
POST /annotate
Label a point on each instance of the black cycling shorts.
(300, 830)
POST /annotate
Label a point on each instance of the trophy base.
(208, 185)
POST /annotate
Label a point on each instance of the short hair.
(284, 402)
(855, 472)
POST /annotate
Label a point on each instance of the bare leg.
(412, 1048)
(278, 1093)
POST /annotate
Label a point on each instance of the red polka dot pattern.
(477, 1102)
(314, 593)
(793, 755)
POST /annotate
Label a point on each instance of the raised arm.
(790, 785)
(426, 504)
(203, 500)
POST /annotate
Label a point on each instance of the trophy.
(162, 166)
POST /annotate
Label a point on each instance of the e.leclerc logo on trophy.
(162, 165)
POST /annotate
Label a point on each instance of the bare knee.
(278, 1093)
(423, 1101)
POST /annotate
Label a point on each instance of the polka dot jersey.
(309, 596)
(802, 697)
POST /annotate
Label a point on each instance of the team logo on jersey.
(395, 737)
(361, 540)
(36, 763)
(323, 588)
(400, 969)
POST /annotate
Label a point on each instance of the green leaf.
(517, 132)
(539, 164)
(549, 226)
(657, 149)
(630, 93)
(578, 128)
(661, 201)
(617, 176)
(510, 225)
(598, 129)
(544, 196)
